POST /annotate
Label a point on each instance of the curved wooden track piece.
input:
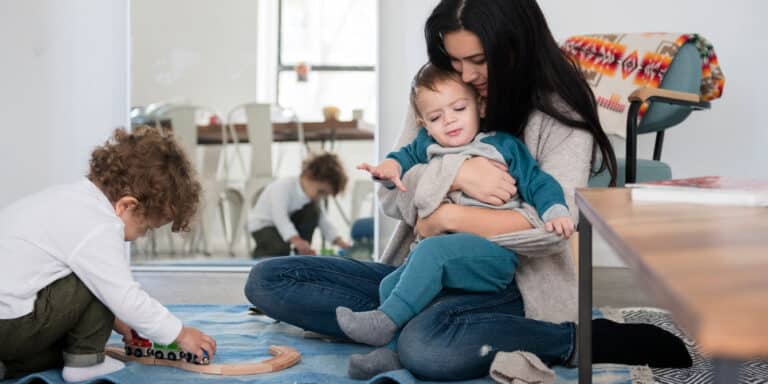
(284, 357)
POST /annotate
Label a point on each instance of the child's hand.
(193, 341)
(562, 225)
(123, 329)
(341, 243)
(302, 246)
(388, 170)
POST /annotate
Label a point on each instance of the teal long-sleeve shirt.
(534, 186)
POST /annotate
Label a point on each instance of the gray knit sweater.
(546, 275)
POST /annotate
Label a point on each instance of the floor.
(613, 286)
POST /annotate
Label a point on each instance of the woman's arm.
(485, 180)
(483, 222)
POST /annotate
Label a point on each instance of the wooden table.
(313, 131)
(708, 265)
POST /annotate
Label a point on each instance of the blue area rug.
(242, 337)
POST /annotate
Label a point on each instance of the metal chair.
(259, 126)
(184, 124)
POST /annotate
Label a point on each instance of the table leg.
(726, 370)
(584, 329)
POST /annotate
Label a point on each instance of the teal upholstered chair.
(671, 103)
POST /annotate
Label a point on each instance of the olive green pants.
(68, 326)
(270, 243)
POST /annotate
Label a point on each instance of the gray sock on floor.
(369, 327)
(364, 367)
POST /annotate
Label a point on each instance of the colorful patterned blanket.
(615, 65)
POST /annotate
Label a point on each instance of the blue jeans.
(458, 260)
(446, 341)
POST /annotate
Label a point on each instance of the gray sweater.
(546, 275)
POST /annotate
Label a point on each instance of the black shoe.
(637, 344)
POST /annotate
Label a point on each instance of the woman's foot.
(364, 367)
(369, 327)
(637, 344)
(109, 365)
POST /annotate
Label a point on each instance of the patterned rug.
(752, 372)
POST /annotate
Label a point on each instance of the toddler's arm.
(388, 170)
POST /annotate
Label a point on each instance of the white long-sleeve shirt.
(68, 229)
(278, 202)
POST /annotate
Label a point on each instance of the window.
(336, 39)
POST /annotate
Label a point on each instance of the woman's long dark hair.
(526, 69)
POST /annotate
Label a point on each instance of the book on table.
(714, 190)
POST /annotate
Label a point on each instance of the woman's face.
(468, 58)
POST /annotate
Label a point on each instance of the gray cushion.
(647, 170)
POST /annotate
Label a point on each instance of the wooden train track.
(283, 357)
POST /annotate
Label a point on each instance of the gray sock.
(364, 367)
(369, 327)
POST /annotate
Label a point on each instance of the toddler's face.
(450, 114)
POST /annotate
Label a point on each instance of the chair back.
(684, 74)
(362, 190)
(259, 122)
(184, 119)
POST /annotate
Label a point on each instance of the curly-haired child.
(66, 280)
(287, 211)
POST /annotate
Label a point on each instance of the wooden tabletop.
(313, 131)
(708, 265)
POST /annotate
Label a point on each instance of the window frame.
(283, 67)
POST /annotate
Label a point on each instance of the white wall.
(201, 52)
(63, 88)
(729, 139)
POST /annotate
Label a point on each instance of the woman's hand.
(485, 180)
(436, 223)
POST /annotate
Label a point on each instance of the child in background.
(450, 111)
(287, 212)
(66, 279)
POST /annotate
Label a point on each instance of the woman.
(505, 49)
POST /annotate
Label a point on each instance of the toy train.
(141, 347)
